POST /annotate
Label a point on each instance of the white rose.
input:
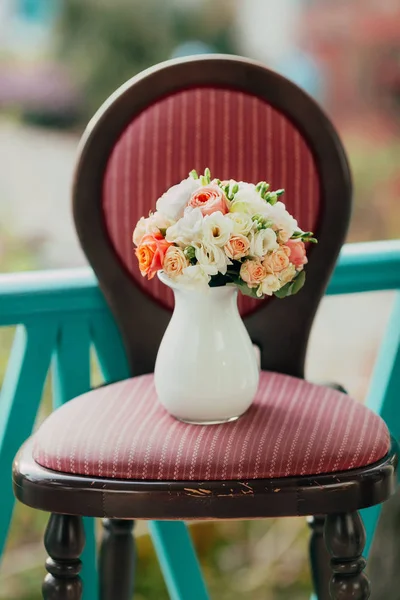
(270, 285)
(283, 221)
(217, 229)
(140, 231)
(242, 222)
(248, 200)
(159, 221)
(188, 230)
(152, 224)
(195, 277)
(174, 201)
(212, 259)
(262, 242)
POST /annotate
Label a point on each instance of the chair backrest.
(244, 122)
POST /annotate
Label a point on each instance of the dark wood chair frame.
(336, 498)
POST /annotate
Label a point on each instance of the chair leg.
(117, 560)
(319, 558)
(345, 540)
(64, 541)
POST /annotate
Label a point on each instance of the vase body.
(206, 369)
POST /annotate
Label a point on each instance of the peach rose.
(297, 253)
(277, 260)
(237, 247)
(209, 199)
(174, 262)
(150, 254)
(252, 272)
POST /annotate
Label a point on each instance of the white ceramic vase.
(206, 369)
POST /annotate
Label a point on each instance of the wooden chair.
(302, 449)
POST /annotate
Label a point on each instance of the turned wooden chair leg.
(117, 560)
(64, 541)
(345, 540)
(319, 558)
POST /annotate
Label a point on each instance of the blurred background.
(59, 60)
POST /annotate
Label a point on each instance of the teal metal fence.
(59, 315)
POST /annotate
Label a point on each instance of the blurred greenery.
(376, 178)
(105, 45)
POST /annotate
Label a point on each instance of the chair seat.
(293, 428)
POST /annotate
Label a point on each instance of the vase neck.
(203, 299)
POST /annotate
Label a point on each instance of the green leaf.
(219, 280)
(162, 230)
(193, 173)
(298, 283)
(284, 291)
(280, 192)
(234, 269)
(244, 288)
(207, 174)
(190, 253)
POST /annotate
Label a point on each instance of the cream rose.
(237, 247)
(287, 274)
(278, 260)
(174, 262)
(248, 200)
(252, 272)
(270, 285)
(242, 223)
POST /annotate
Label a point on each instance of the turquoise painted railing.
(60, 314)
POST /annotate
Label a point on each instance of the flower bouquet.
(219, 236)
(208, 232)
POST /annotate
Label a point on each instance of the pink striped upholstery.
(237, 135)
(293, 428)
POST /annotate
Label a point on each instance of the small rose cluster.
(207, 232)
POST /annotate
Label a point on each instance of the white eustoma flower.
(188, 230)
(212, 259)
(262, 242)
(217, 229)
(173, 202)
(242, 222)
(194, 277)
(283, 221)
